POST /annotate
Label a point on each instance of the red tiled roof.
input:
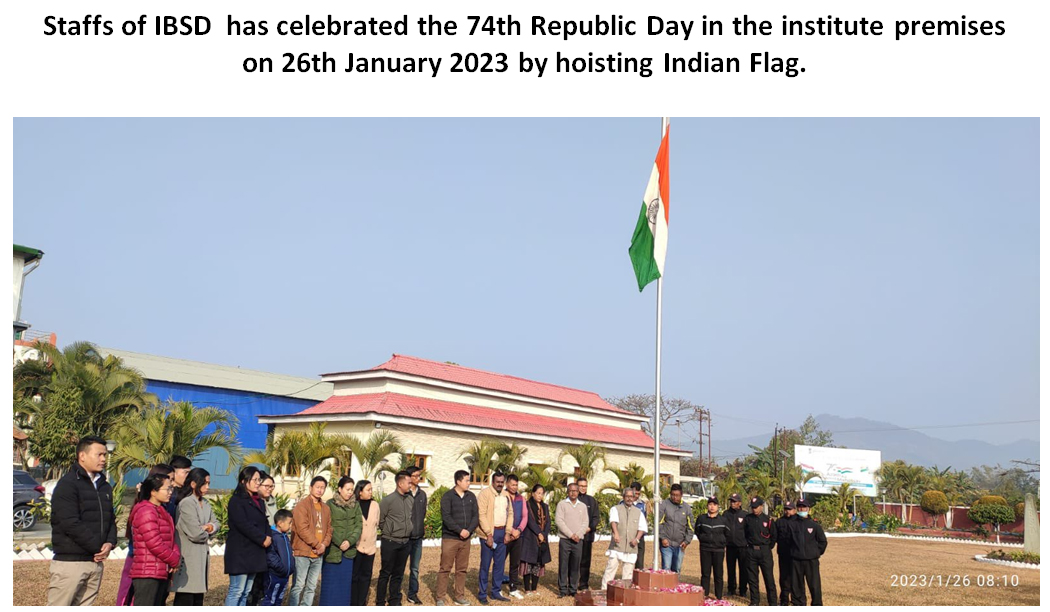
(453, 413)
(497, 382)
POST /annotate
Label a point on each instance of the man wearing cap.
(761, 535)
(785, 563)
(736, 546)
(808, 543)
(712, 531)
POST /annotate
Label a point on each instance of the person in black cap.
(785, 563)
(808, 543)
(712, 533)
(736, 546)
(761, 535)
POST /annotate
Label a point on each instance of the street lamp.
(783, 466)
(111, 445)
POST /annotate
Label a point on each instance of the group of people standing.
(745, 540)
(334, 542)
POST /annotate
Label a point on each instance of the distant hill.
(897, 443)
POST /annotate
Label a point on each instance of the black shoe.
(414, 600)
(483, 600)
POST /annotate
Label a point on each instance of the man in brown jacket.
(311, 535)
(495, 512)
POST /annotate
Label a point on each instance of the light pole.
(111, 445)
(678, 424)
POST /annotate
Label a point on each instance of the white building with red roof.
(437, 410)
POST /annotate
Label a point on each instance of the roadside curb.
(924, 539)
(1017, 564)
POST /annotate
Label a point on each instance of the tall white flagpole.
(656, 426)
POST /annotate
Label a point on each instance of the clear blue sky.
(878, 268)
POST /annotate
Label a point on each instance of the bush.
(881, 521)
(1019, 509)
(432, 522)
(991, 510)
(1019, 556)
(934, 503)
(865, 508)
(219, 506)
(826, 512)
(605, 502)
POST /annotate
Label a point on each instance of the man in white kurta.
(628, 526)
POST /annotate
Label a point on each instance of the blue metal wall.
(245, 405)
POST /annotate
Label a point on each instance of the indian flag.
(649, 244)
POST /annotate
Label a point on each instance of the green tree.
(627, 476)
(152, 436)
(934, 503)
(726, 485)
(71, 393)
(373, 453)
(992, 510)
(482, 457)
(303, 454)
(587, 456)
(544, 475)
(510, 458)
(843, 497)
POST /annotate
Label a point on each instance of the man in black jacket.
(736, 546)
(83, 528)
(761, 535)
(712, 533)
(808, 543)
(785, 563)
(588, 540)
(415, 541)
(459, 519)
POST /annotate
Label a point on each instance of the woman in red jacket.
(156, 554)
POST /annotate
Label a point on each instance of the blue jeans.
(671, 558)
(416, 555)
(495, 557)
(274, 594)
(240, 586)
(307, 571)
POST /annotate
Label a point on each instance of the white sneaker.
(515, 595)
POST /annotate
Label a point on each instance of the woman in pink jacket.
(156, 554)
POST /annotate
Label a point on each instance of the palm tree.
(482, 457)
(542, 474)
(725, 486)
(759, 484)
(152, 436)
(843, 495)
(586, 456)
(372, 453)
(510, 458)
(626, 476)
(71, 393)
(913, 478)
(406, 460)
(302, 454)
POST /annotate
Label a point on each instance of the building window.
(479, 480)
(666, 479)
(420, 461)
(341, 466)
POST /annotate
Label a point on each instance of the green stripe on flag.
(641, 251)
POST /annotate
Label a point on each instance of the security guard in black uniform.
(808, 543)
(736, 546)
(761, 534)
(785, 563)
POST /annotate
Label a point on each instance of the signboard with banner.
(835, 466)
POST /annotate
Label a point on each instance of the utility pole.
(700, 439)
